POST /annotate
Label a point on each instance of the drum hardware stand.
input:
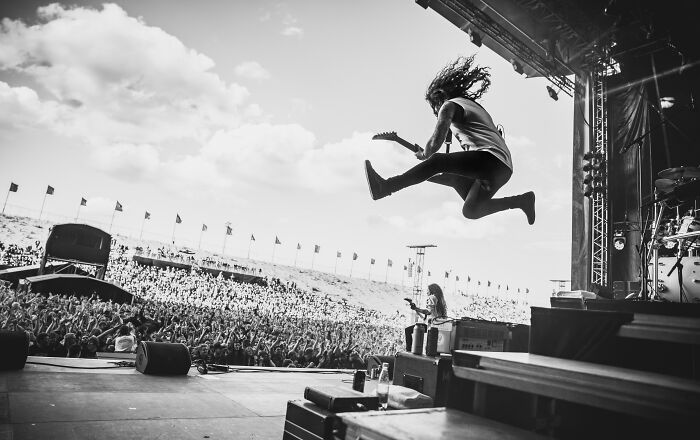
(659, 209)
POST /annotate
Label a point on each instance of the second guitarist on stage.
(476, 173)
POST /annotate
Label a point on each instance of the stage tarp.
(69, 284)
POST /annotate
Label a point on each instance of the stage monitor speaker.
(14, 346)
(162, 358)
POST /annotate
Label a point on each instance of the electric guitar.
(392, 136)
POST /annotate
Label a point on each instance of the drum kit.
(674, 257)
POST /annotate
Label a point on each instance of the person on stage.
(435, 305)
(482, 167)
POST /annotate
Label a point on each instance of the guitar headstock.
(386, 136)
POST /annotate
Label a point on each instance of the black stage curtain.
(628, 120)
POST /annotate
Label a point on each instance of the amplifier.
(425, 374)
(479, 335)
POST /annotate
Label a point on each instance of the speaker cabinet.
(162, 358)
(14, 346)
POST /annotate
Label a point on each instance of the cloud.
(251, 70)
(21, 107)
(292, 31)
(128, 161)
(338, 166)
(108, 77)
(290, 26)
(447, 221)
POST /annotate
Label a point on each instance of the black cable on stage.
(121, 364)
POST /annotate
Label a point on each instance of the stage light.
(552, 93)
(517, 66)
(668, 101)
(474, 37)
(619, 240)
(669, 244)
(588, 191)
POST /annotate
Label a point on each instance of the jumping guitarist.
(484, 165)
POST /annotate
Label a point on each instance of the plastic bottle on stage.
(383, 386)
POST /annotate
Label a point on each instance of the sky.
(260, 114)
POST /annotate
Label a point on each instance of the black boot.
(378, 187)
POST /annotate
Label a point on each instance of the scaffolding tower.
(418, 274)
(599, 199)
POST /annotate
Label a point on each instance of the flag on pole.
(317, 249)
(118, 207)
(177, 218)
(277, 240)
(229, 230)
(204, 227)
(371, 261)
(83, 202)
(489, 284)
(298, 246)
(527, 290)
(428, 273)
(14, 187)
(457, 278)
(469, 279)
(518, 289)
(49, 190)
(338, 254)
(147, 216)
(507, 287)
(404, 267)
(390, 263)
(252, 237)
(354, 256)
(499, 287)
(478, 283)
(447, 274)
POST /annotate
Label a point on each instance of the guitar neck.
(403, 142)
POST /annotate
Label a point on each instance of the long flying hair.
(441, 306)
(459, 78)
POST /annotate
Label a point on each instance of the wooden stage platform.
(47, 402)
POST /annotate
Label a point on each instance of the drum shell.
(669, 288)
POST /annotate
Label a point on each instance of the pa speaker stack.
(163, 358)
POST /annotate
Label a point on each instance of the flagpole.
(143, 223)
(250, 242)
(351, 266)
(369, 274)
(274, 247)
(42, 207)
(296, 256)
(174, 224)
(6, 197)
(199, 246)
(335, 269)
(112, 221)
(386, 274)
(78, 213)
(313, 257)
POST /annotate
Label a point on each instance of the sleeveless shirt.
(478, 132)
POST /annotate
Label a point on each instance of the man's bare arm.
(444, 118)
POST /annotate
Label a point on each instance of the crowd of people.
(12, 255)
(223, 321)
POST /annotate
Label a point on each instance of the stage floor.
(45, 402)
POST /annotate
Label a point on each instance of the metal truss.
(546, 67)
(568, 24)
(599, 200)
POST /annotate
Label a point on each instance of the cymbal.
(680, 173)
(665, 185)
